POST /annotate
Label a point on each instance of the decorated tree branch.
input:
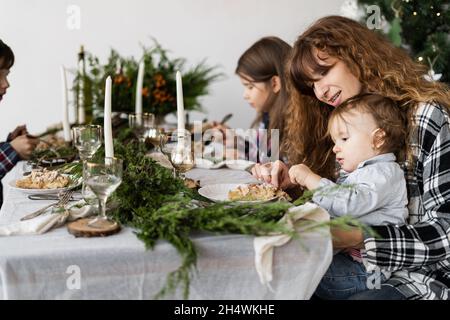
(159, 83)
(422, 28)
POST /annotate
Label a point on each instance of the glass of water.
(87, 139)
(103, 177)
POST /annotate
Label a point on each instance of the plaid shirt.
(419, 254)
(8, 158)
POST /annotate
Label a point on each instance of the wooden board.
(80, 228)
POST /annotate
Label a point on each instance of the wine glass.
(87, 139)
(103, 177)
(157, 136)
(141, 123)
(178, 149)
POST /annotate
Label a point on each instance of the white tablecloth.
(57, 265)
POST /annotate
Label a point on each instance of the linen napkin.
(161, 159)
(264, 245)
(47, 221)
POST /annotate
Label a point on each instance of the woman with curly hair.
(336, 59)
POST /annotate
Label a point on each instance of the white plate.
(205, 163)
(208, 164)
(74, 184)
(219, 192)
(239, 164)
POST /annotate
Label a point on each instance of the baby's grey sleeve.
(356, 199)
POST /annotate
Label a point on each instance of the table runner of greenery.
(159, 207)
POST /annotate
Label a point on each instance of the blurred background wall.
(218, 30)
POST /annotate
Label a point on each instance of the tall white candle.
(107, 125)
(139, 84)
(81, 100)
(180, 104)
(65, 106)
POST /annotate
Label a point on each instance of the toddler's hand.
(299, 173)
(303, 175)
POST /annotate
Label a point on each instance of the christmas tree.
(422, 28)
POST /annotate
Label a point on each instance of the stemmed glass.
(178, 149)
(157, 136)
(103, 177)
(87, 139)
(141, 124)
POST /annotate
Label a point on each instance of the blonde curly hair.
(381, 68)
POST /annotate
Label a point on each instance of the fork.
(64, 199)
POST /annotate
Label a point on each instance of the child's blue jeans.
(346, 277)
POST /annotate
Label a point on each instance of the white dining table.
(56, 265)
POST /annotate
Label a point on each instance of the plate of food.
(44, 181)
(52, 157)
(242, 193)
(52, 150)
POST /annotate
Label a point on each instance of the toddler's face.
(255, 93)
(353, 137)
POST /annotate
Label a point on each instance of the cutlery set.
(63, 200)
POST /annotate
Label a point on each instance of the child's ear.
(275, 82)
(378, 138)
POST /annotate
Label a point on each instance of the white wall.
(219, 30)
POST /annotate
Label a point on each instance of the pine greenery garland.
(160, 207)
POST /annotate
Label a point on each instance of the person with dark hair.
(261, 70)
(19, 145)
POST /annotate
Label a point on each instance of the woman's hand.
(347, 238)
(276, 173)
